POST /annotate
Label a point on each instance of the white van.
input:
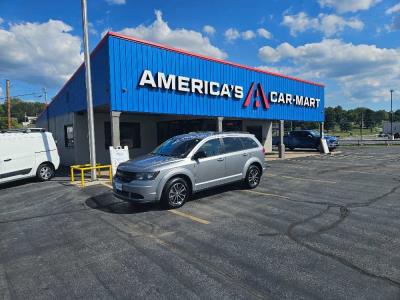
(28, 153)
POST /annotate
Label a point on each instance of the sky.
(351, 46)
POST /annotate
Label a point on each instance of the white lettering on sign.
(290, 99)
(190, 85)
(204, 87)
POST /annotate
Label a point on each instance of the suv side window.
(248, 143)
(212, 147)
(232, 144)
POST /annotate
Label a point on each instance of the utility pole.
(362, 125)
(8, 103)
(92, 144)
(391, 114)
(47, 108)
(45, 95)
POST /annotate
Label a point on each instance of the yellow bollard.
(82, 178)
(72, 175)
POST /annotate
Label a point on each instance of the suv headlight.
(146, 175)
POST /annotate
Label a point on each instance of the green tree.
(345, 124)
(330, 121)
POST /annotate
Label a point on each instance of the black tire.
(176, 192)
(253, 177)
(45, 172)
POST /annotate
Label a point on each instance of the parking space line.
(106, 184)
(185, 215)
(265, 194)
(179, 213)
(303, 179)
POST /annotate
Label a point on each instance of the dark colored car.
(306, 139)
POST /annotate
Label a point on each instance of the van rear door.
(18, 157)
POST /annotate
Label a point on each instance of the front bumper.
(136, 191)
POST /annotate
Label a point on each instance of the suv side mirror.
(199, 154)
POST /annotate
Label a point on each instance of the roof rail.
(23, 130)
(234, 132)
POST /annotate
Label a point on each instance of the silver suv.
(189, 163)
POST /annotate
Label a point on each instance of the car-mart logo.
(259, 96)
(198, 86)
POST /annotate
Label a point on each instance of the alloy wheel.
(177, 194)
(254, 176)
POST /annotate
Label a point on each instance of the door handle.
(8, 159)
(245, 154)
(220, 159)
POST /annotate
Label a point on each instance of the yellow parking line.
(193, 218)
(179, 213)
(265, 194)
(106, 184)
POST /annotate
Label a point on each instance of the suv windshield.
(177, 146)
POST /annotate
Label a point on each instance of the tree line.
(346, 120)
(18, 110)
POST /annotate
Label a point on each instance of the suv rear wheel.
(176, 193)
(253, 177)
(45, 172)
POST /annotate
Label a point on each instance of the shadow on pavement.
(106, 202)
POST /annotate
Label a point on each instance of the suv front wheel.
(176, 193)
(253, 177)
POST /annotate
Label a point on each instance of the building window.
(69, 136)
(129, 134)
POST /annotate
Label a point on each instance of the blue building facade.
(137, 78)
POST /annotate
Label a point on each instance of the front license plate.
(118, 186)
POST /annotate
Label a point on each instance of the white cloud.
(343, 6)
(160, 32)
(393, 9)
(329, 25)
(208, 29)
(395, 23)
(1, 20)
(116, 2)
(248, 35)
(39, 53)
(264, 33)
(364, 73)
(92, 29)
(1, 91)
(231, 34)
(299, 23)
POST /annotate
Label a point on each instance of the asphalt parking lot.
(316, 227)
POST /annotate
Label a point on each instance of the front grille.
(125, 176)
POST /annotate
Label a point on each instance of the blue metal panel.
(128, 60)
(72, 97)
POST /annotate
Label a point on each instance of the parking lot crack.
(344, 213)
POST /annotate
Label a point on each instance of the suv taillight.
(263, 150)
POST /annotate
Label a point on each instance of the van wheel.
(253, 177)
(176, 193)
(45, 172)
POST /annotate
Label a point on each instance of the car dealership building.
(144, 93)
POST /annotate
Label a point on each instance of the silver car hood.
(147, 162)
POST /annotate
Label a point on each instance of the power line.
(22, 95)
